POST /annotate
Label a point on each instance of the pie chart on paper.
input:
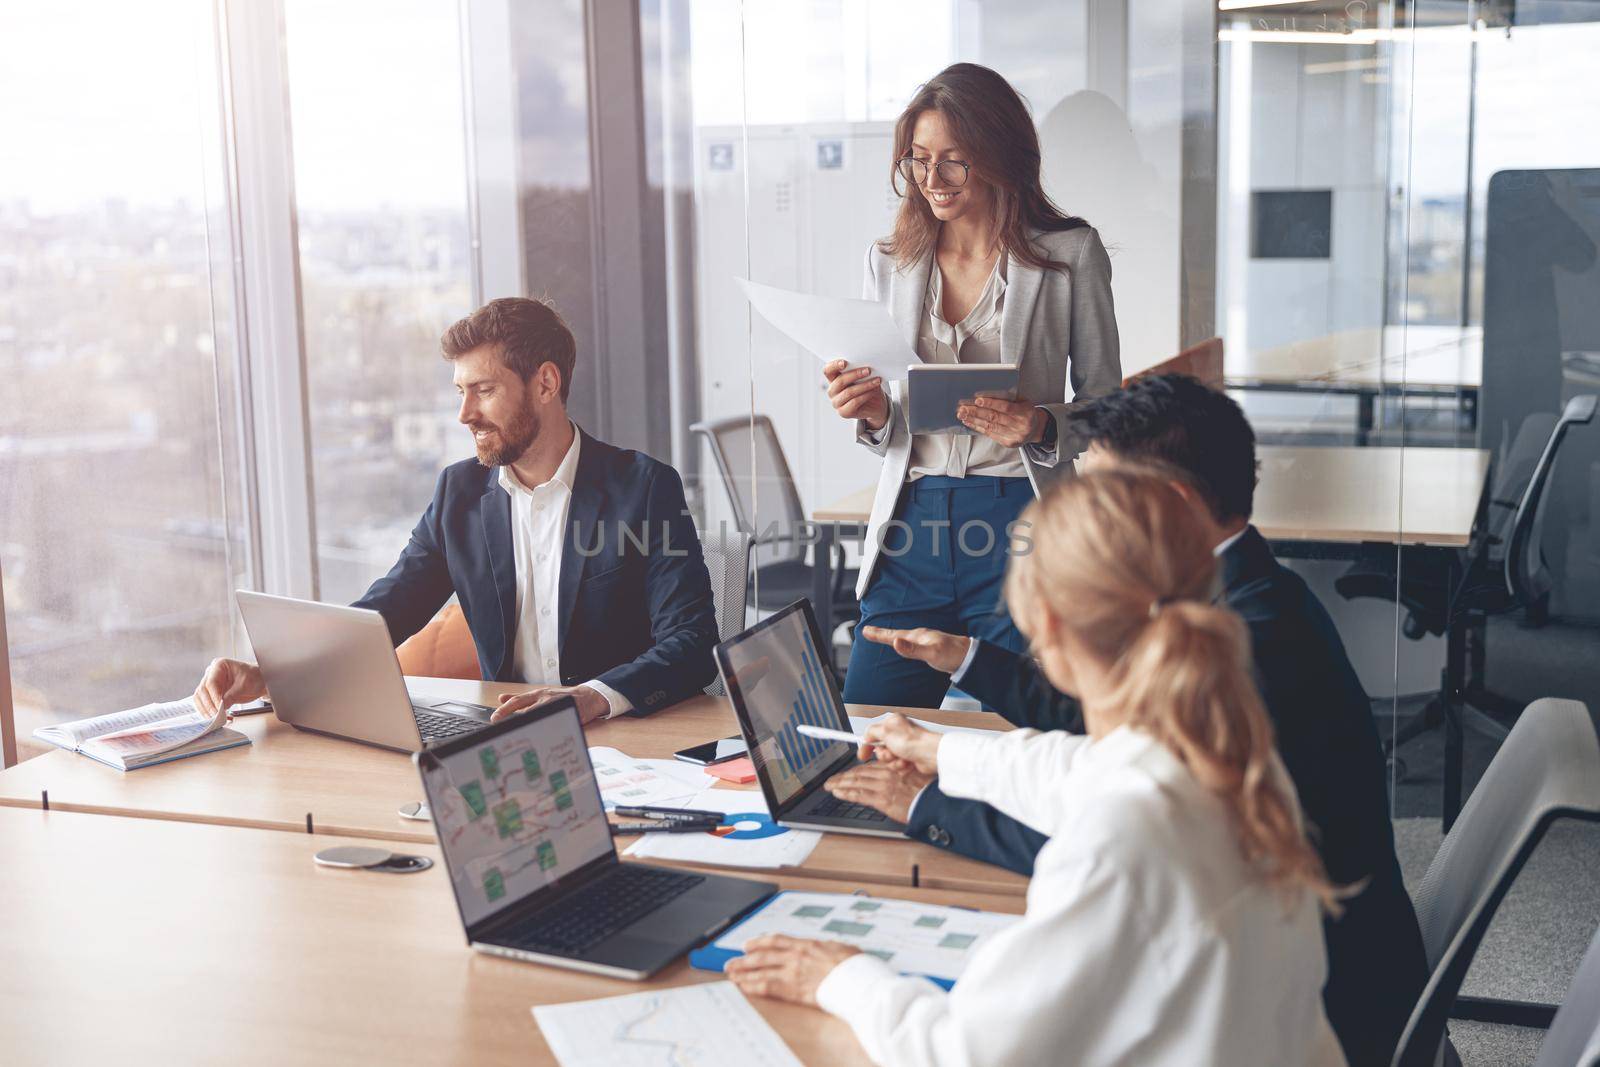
(748, 826)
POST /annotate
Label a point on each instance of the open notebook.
(143, 736)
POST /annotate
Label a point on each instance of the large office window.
(117, 538)
(381, 194)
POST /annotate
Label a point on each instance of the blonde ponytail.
(1186, 681)
(1119, 558)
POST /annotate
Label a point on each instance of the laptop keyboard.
(833, 808)
(437, 726)
(590, 916)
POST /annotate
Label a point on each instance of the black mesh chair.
(1503, 570)
(1548, 769)
(1574, 1037)
(766, 505)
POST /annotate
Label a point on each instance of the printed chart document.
(927, 940)
(831, 327)
(146, 735)
(709, 1025)
(747, 837)
(646, 783)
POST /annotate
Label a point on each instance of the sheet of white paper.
(688, 1026)
(860, 724)
(928, 939)
(786, 848)
(659, 783)
(831, 327)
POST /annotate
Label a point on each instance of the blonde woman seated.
(1174, 917)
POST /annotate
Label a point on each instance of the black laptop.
(774, 676)
(529, 851)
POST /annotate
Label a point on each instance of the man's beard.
(508, 442)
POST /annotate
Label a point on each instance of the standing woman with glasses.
(981, 268)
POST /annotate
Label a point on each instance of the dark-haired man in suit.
(576, 563)
(1320, 713)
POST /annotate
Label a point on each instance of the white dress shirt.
(975, 339)
(538, 533)
(1148, 939)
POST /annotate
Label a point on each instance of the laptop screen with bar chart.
(776, 679)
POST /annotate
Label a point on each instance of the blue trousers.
(941, 566)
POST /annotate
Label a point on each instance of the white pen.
(822, 733)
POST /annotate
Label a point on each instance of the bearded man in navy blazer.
(576, 563)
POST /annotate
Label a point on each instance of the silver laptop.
(332, 670)
(524, 836)
(774, 676)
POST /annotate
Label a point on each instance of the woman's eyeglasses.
(952, 172)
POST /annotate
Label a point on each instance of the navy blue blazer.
(1329, 744)
(635, 608)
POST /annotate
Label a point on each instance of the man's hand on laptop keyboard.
(591, 705)
(889, 788)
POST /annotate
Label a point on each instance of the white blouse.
(975, 339)
(1147, 938)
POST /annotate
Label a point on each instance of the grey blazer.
(1058, 326)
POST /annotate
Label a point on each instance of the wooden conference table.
(291, 780)
(1334, 496)
(1317, 502)
(1370, 363)
(136, 941)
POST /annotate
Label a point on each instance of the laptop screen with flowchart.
(517, 813)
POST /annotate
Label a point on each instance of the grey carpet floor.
(1537, 937)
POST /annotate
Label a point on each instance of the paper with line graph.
(709, 1025)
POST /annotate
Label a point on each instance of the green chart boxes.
(530, 764)
(508, 818)
(558, 787)
(491, 762)
(547, 855)
(472, 793)
(494, 884)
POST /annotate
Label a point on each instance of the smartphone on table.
(713, 751)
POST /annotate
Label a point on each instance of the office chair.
(1548, 769)
(442, 649)
(728, 559)
(1504, 570)
(1574, 1037)
(766, 505)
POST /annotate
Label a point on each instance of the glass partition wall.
(1499, 221)
(1238, 168)
(1385, 212)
